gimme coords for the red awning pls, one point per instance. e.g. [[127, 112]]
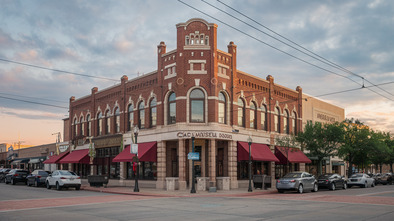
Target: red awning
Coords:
[[293, 155], [77, 156], [146, 152], [56, 158], [260, 152]]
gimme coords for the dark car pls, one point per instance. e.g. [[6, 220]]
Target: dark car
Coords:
[[16, 176], [332, 181], [37, 178], [4, 172]]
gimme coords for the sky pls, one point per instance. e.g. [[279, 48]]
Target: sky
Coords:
[[109, 39]]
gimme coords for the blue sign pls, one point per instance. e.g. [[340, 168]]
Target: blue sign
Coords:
[[193, 156]]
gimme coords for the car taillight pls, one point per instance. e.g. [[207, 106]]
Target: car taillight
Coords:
[[16, 174], [292, 181], [278, 181], [326, 180], [63, 178], [78, 178], [38, 176]]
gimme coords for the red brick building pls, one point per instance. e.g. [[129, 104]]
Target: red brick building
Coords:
[[195, 91]]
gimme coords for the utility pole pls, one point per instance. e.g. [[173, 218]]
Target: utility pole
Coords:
[[58, 138]]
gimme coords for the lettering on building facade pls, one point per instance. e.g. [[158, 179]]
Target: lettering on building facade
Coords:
[[325, 117], [206, 134]]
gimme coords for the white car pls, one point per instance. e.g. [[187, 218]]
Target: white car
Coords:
[[361, 180], [63, 178]]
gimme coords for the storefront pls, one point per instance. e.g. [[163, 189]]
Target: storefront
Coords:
[[290, 160], [78, 161]]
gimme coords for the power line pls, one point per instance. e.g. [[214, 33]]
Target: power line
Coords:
[[325, 60], [273, 47], [354, 89], [33, 102], [56, 70], [15, 95]]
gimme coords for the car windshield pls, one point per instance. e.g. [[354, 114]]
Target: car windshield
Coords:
[[43, 173], [293, 175], [325, 176], [68, 173], [357, 175]]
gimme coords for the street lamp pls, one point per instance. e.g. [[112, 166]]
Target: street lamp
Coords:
[[136, 188], [250, 165], [193, 190]]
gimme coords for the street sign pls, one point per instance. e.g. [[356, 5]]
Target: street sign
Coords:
[[193, 156], [134, 149]]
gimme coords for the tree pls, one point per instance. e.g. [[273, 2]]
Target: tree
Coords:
[[355, 142], [390, 146], [379, 152], [321, 140]]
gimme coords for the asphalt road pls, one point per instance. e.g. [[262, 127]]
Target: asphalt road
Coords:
[[20, 202]]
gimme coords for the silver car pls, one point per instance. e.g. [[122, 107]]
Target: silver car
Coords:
[[299, 181], [361, 180]]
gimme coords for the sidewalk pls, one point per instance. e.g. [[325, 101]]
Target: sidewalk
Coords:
[[177, 193]]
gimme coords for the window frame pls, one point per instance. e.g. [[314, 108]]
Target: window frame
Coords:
[[198, 99], [141, 120], [117, 120], [130, 117], [253, 112], [224, 103], [153, 109], [263, 117], [171, 102], [242, 108]]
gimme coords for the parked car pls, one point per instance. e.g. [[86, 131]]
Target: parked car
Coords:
[[16, 176], [3, 172], [361, 180], [37, 178], [385, 179], [332, 181], [299, 181], [63, 178]]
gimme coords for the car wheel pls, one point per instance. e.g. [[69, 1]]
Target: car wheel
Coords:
[[6, 182], [58, 187], [281, 191], [332, 186], [344, 186], [349, 186], [48, 186], [300, 189], [373, 184], [365, 185], [78, 187], [12, 182], [315, 188]]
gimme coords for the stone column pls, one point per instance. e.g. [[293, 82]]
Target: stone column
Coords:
[[93, 169], [212, 162], [232, 164], [161, 165], [182, 164]]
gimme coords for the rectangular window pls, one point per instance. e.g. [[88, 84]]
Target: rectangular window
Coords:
[[221, 113], [197, 111], [263, 121], [153, 116], [251, 119], [142, 119]]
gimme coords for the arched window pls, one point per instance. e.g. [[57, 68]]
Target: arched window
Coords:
[[172, 108], [107, 123], [130, 117], [222, 108], [141, 115], [197, 107], [153, 113], [89, 127], [75, 127], [294, 122], [263, 117], [117, 120], [286, 123], [277, 120], [81, 126], [241, 113], [252, 117], [100, 124]]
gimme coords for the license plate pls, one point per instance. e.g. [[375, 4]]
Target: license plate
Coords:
[[24, 176], [71, 178]]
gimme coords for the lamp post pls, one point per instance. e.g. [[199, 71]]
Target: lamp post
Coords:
[[250, 165], [193, 190], [136, 188]]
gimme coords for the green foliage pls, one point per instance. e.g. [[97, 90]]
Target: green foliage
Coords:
[[321, 140]]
